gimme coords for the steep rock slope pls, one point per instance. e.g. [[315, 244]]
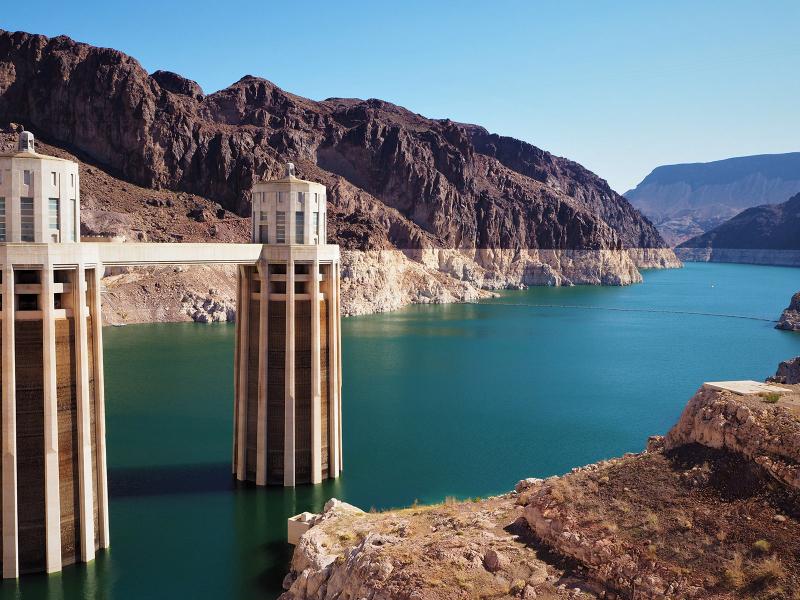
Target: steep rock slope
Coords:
[[768, 234], [790, 319], [689, 199], [486, 210]]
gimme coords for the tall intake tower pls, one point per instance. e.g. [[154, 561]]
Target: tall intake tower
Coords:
[[287, 407], [53, 469]]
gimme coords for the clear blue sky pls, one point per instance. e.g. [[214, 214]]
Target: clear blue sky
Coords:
[[619, 86]]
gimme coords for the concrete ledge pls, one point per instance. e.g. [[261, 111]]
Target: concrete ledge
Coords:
[[746, 387], [297, 525]]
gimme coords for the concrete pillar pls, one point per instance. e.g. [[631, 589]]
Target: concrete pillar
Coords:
[[289, 412], [316, 378], [52, 497], [263, 334], [337, 324], [242, 349], [333, 389], [95, 307], [236, 366], [9, 415], [86, 491]]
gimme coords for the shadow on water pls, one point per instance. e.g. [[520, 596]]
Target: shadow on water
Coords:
[[169, 479]]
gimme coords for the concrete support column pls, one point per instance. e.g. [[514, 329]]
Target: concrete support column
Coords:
[[9, 415], [316, 378], [263, 348], [52, 497], [242, 341], [335, 459], [236, 367], [95, 307], [337, 324], [289, 410], [86, 491]]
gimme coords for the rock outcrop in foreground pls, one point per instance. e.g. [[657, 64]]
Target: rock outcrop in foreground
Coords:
[[470, 208], [712, 510], [790, 319], [788, 372]]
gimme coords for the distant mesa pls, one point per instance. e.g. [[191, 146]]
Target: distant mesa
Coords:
[[687, 200]]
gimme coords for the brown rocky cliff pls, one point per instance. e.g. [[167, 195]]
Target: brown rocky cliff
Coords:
[[414, 182], [790, 319]]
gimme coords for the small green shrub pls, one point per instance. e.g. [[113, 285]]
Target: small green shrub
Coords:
[[770, 398], [761, 547]]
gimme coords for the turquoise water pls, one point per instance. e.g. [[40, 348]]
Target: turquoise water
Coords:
[[457, 400]]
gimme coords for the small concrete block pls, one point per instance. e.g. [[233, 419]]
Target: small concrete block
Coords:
[[297, 525]]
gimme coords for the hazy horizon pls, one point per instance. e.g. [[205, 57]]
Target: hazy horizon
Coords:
[[620, 88]]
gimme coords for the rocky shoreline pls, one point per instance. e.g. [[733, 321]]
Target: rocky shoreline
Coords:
[[778, 258], [376, 281], [790, 319], [709, 511]]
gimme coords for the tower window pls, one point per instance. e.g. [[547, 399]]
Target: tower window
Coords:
[[54, 178], [54, 216], [2, 219], [263, 228], [300, 225], [26, 219], [73, 216], [280, 227], [26, 177], [27, 302], [315, 225], [72, 179]]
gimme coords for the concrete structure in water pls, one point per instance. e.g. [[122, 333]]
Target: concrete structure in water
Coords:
[[52, 431], [288, 372]]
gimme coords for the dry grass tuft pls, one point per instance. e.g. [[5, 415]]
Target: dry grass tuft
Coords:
[[768, 571]]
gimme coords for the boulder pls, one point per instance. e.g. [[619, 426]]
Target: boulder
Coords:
[[790, 319], [788, 372]]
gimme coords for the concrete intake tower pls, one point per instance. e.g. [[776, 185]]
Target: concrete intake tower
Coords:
[[288, 371], [287, 382]]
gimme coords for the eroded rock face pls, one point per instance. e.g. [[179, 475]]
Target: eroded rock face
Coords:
[[790, 319], [788, 372], [396, 180], [766, 432]]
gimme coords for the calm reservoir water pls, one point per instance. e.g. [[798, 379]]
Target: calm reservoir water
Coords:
[[459, 400]]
